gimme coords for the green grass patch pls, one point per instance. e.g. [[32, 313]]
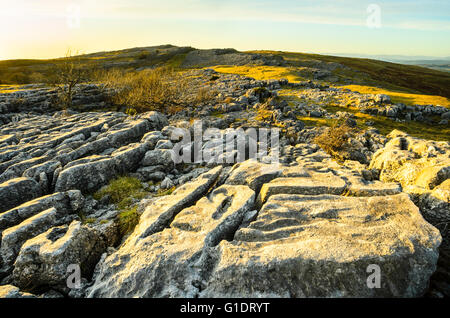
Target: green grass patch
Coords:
[[121, 191], [176, 61], [262, 72], [127, 220], [162, 192], [217, 114], [84, 219]]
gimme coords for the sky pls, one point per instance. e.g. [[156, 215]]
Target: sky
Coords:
[[47, 28]]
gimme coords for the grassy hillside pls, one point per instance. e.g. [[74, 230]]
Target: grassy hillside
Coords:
[[36, 71], [347, 71], [407, 78]]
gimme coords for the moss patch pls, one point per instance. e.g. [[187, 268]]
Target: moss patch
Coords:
[[127, 220], [122, 192]]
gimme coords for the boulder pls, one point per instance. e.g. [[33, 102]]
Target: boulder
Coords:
[[14, 237], [44, 260], [87, 177], [17, 191], [315, 184], [128, 157], [158, 157], [157, 120], [10, 291], [64, 202], [328, 246], [253, 173], [131, 133], [412, 161], [175, 261]]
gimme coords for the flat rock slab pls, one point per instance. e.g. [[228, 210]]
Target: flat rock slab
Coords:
[[87, 177], [17, 191], [64, 202], [45, 259], [159, 214], [361, 188], [14, 237], [317, 183], [326, 246], [175, 261], [10, 291], [253, 173]]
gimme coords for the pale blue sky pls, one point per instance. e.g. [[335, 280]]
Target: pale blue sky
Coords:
[[46, 28]]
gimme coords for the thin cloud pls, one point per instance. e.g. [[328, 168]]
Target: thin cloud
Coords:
[[395, 14]]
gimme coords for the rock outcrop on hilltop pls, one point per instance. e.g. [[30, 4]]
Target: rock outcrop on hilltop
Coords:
[[304, 225]]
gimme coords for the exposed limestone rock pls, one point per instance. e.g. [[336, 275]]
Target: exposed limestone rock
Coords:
[[253, 174], [160, 213], [14, 237], [48, 168], [295, 172], [317, 225], [173, 263], [44, 260], [9, 291], [157, 120], [412, 161], [434, 204], [8, 139], [317, 183], [64, 202], [360, 187], [128, 157], [158, 157], [132, 132], [87, 177], [321, 246], [17, 191], [16, 170]]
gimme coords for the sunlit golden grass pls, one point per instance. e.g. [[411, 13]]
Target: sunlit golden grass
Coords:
[[414, 79], [11, 88], [262, 72], [400, 97], [383, 124]]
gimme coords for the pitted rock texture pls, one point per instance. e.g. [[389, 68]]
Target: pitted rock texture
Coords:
[[159, 214], [9, 291], [321, 246], [173, 262], [44, 260], [305, 226], [309, 244]]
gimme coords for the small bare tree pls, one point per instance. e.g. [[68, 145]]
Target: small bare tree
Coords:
[[67, 74]]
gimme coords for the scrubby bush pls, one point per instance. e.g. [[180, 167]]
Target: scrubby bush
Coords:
[[155, 89], [334, 140], [162, 89], [204, 95]]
